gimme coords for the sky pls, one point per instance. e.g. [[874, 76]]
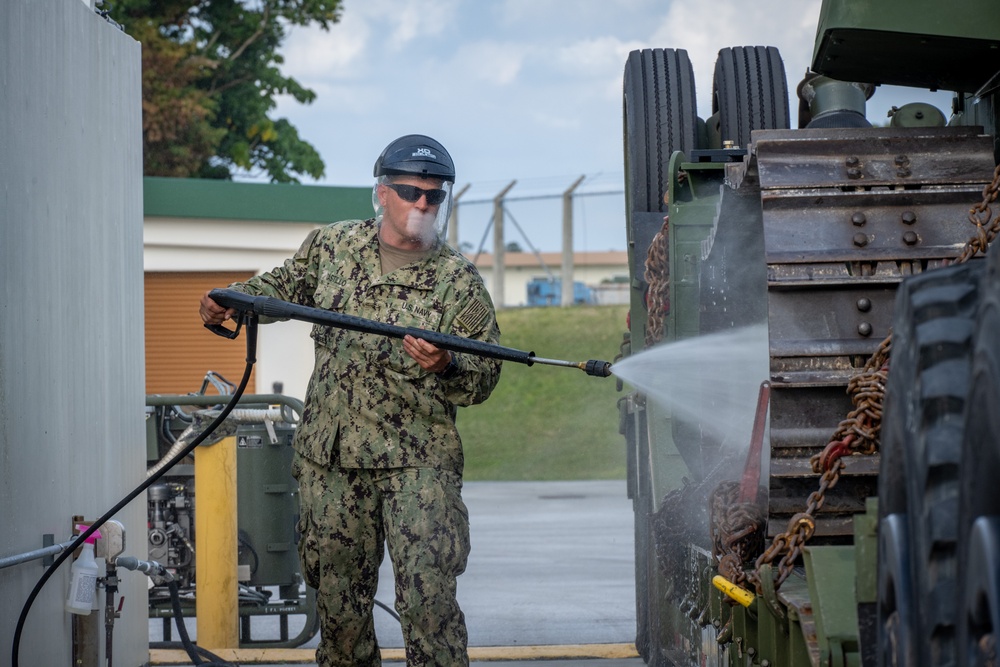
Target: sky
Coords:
[[525, 90]]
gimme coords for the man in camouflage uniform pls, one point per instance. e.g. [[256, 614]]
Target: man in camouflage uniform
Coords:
[[378, 458]]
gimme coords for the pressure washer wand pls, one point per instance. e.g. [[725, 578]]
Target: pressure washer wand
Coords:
[[283, 310]]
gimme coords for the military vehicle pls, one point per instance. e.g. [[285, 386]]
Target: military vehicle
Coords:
[[858, 523]]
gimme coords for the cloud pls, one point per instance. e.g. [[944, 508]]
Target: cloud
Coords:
[[570, 16], [395, 25], [599, 56], [312, 54], [702, 29], [599, 60], [368, 34], [556, 121], [413, 23], [334, 97], [494, 62], [521, 89]]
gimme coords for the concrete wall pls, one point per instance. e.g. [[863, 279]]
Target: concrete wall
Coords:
[[71, 343]]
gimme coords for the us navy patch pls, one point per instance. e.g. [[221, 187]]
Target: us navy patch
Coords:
[[473, 317], [417, 310]]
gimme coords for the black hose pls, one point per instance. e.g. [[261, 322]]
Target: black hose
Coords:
[[251, 324], [244, 539], [387, 608], [194, 652]]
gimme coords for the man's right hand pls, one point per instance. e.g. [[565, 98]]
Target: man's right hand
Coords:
[[213, 313]]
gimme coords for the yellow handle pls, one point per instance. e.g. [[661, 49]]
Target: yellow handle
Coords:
[[741, 595]]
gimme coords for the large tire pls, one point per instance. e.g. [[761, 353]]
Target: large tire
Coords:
[[749, 92], [925, 397], [660, 116], [653, 591], [648, 578], [979, 503], [979, 619], [645, 566], [896, 626]]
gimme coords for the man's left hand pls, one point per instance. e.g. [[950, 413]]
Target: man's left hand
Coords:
[[430, 358]]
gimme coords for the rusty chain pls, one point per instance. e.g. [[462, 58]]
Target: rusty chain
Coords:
[[671, 532], [657, 276], [980, 215], [859, 433], [737, 531]]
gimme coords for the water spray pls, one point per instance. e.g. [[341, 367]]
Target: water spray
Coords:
[[283, 310]]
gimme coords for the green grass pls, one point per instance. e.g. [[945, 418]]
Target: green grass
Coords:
[[548, 422]]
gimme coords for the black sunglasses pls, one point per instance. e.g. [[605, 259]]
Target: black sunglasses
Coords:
[[412, 193]]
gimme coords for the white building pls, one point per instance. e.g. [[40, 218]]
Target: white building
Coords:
[[200, 234]]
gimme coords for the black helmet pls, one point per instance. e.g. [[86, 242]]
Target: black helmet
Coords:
[[415, 155]]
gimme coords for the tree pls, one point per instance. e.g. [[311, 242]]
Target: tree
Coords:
[[210, 76]]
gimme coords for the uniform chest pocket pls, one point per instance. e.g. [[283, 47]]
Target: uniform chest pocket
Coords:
[[332, 297], [388, 352]]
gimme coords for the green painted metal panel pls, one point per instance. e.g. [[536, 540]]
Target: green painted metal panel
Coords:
[[745, 633], [830, 573], [774, 644], [215, 199], [668, 465], [866, 544], [799, 624], [919, 43], [970, 19], [694, 201], [693, 194]]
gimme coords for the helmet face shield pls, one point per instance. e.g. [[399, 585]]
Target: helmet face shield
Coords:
[[421, 211], [412, 194], [417, 155]]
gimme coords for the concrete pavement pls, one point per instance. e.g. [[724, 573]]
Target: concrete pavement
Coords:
[[551, 566]]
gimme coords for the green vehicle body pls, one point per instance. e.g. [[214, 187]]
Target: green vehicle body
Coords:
[[813, 228]]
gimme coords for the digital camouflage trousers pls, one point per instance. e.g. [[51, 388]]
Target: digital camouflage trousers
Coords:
[[347, 516]]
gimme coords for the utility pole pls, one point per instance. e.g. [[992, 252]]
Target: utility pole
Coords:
[[498, 247], [453, 218], [567, 243]]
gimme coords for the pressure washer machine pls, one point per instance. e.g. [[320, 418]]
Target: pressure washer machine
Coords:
[[269, 578]]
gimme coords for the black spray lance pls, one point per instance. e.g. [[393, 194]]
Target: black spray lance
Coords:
[[278, 309]]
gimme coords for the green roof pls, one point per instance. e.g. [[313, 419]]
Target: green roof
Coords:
[[209, 198]]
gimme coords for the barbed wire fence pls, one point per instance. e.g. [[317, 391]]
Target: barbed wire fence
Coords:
[[564, 214]]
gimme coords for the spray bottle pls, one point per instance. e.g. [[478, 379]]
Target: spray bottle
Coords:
[[83, 578]]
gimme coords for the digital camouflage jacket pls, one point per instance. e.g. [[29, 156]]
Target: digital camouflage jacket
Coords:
[[369, 404]]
